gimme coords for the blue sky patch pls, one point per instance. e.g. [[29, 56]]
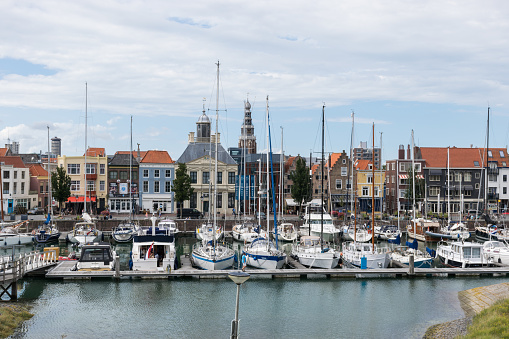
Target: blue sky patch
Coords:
[[189, 21], [23, 67]]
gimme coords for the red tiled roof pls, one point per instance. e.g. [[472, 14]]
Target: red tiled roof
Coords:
[[38, 171], [3, 151], [96, 152], [362, 165], [436, 157], [15, 161], [135, 153], [157, 157], [334, 157], [314, 168]]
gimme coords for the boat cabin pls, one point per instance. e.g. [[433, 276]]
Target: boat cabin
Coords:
[[96, 257]]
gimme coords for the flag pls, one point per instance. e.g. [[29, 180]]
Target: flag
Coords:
[[150, 249]]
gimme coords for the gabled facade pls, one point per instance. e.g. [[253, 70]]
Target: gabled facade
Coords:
[[369, 183], [93, 186], [39, 185], [15, 185], [156, 172], [341, 181], [120, 181]]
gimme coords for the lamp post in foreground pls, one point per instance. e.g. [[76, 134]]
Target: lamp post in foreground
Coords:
[[239, 278]]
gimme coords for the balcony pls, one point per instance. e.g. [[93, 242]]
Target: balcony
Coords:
[[92, 176]]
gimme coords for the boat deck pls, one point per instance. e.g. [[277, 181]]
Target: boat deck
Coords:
[[63, 271]]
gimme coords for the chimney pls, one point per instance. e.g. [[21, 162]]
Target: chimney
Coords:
[[408, 153], [138, 155], [401, 152], [191, 137]]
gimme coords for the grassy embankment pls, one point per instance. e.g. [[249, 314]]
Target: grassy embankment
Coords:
[[11, 316], [492, 322]]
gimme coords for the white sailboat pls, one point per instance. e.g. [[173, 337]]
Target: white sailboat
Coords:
[[209, 254], [85, 231], [287, 230], [366, 255], [311, 251], [262, 252]]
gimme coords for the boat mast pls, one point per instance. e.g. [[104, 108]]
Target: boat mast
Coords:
[[50, 201], [373, 194], [130, 172], [273, 186], [413, 185], [267, 178], [486, 158], [448, 190], [351, 161], [321, 183], [86, 150], [281, 178], [215, 165]]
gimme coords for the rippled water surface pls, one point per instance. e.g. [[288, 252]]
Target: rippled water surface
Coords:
[[313, 308]]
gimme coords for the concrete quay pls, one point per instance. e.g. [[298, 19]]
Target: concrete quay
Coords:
[[477, 299]]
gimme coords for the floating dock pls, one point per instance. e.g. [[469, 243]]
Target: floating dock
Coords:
[[63, 271]]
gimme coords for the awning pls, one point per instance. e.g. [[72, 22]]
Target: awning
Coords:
[[468, 188], [419, 176], [80, 199], [403, 176], [290, 202], [435, 172]]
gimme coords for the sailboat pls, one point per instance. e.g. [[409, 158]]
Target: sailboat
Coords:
[[47, 232], [364, 255], [287, 231], [402, 254], [311, 251], [262, 252], [85, 231], [125, 231], [209, 254]]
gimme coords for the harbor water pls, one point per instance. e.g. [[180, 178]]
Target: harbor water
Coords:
[[269, 308]]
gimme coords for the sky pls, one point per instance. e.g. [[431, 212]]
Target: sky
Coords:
[[433, 67]]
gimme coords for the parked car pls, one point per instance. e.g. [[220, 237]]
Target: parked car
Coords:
[[262, 215], [35, 210], [190, 213]]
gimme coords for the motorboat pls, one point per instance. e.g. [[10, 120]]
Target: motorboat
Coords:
[[168, 226], [11, 236], [496, 251], [125, 231], [287, 232], [310, 253], [84, 232], [364, 255], [402, 255], [462, 254], [453, 231], [387, 232], [262, 253], [96, 257], [313, 221], [356, 233], [419, 229], [247, 232], [153, 251], [46, 233]]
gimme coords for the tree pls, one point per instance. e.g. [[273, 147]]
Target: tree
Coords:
[[181, 185], [60, 186], [301, 188]]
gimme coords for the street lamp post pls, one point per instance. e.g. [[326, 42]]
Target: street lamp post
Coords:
[[239, 278]]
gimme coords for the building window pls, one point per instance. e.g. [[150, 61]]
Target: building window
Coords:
[[6, 188], [344, 161], [73, 169], [468, 193], [339, 184], [504, 190], [344, 171], [205, 178], [477, 175], [90, 168], [145, 186], [231, 196], [370, 179], [231, 180], [220, 200], [467, 176], [156, 186], [457, 177], [376, 191], [434, 191], [42, 188], [167, 173], [490, 155], [156, 173], [193, 199], [504, 178], [167, 187], [145, 173], [113, 175], [90, 185], [102, 169], [365, 191], [219, 179], [102, 185], [402, 193], [22, 187], [402, 167], [23, 175], [75, 185], [477, 186], [15, 175], [123, 175], [194, 177], [15, 188], [476, 163], [348, 184], [417, 167]]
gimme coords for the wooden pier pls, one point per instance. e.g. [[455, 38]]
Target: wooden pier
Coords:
[[63, 271]]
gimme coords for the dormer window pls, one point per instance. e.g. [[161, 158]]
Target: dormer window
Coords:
[[502, 155], [476, 163], [490, 155]]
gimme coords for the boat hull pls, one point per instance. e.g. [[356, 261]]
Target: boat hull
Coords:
[[16, 240], [46, 238], [318, 260], [208, 263]]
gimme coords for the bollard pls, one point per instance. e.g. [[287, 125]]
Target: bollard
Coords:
[[411, 264], [117, 267]]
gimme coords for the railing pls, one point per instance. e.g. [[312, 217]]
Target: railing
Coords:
[[12, 270]]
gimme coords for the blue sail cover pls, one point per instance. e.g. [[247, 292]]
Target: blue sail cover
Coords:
[[431, 252], [47, 219], [414, 244]]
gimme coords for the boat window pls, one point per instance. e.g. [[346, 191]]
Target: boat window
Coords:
[[95, 254], [476, 252], [467, 252]]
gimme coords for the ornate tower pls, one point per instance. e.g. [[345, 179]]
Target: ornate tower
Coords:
[[247, 138], [203, 128]]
